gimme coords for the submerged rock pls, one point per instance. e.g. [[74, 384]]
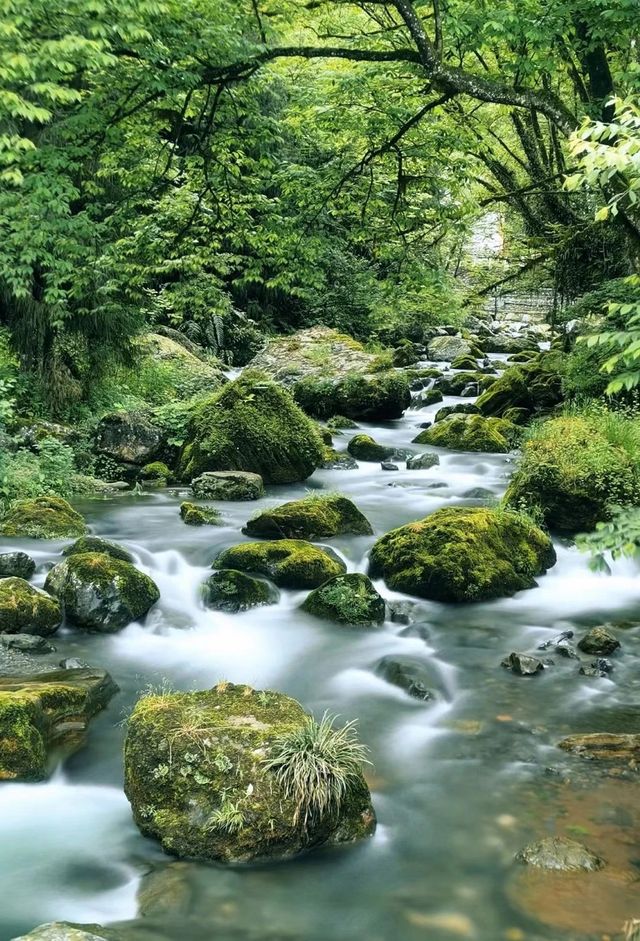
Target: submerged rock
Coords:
[[27, 610], [347, 599], [26, 643], [463, 554], [380, 397], [97, 544], [604, 746], [423, 461], [16, 564], [233, 591], [129, 437], [194, 515], [315, 516], [388, 466], [523, 664], [471, 433], [290, 563], [228, 485], [559, 854], [100, 593], [364, 448], [408, 674], [600, 641], [42, 518], [44, 711], [234, 788]]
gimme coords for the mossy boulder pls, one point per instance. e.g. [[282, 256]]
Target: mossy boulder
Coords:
[[315, 351], [460, 408], [364, 448], [228, 485], [254, 425], [429, 397], [423, 461], [156, 471], [379, 397], [98, 544], [17, 564], [195, 515], [130, 437], [313, 517], [458, 382], [338, 460], [347, 599], [463, 554], [471, 433], [199, 779], [448, 348], [572, 475], [230, 590], [534, 387], [27, 610], [41, 712], [464, 362], [42, 518], [290, 563], [100, 593], [340, 422]]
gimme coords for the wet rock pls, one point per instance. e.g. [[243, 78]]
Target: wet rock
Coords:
[[478, 493], [364, 448], [388, 466], [166, 891], [558, 854], [233, 591], [228, 485], [235, 799], [290, 563], [338, 460], [533, 387], [409, 674], [565, 649], [450, 348], [64, 931], [315, 352], [315, 516], [27, 643], [604, 746], [600, 667], [600, 641], [128, 437], [430, 397], [464, 362], [470, 390], [421, 631], [565, 635], [17, 564], [471, 433], [400, 612], [100, 593], [454, 385], [423, 461], [523, 664], [425, 424], [27, 610], [340, 422], [97, 544], [459, 409], [74, 663], [42, 518], [194, 515], [347, 599]]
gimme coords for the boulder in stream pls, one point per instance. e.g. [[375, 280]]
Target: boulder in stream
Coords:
[[129, 437], [408, 674], [533, 387], [316, 516], [463, 554], [471, 433], [228, 485], [559, 854], [379, 397], [234, 774], [423, 461], [604, 746], [364, 448], [523, 664], [195, 515], [599, 641], [338, 460], [42, 518], [450, 348], [347, 599], [97, 544], [290, 563], [233, 591], [27, 610], [16, 564]]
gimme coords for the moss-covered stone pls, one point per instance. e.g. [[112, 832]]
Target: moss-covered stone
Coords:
[[463, 554], [100, 593], [97, 544], [450, 348], [337, 460], [464, 362], [195, 515], [367, 398], [458, 382], [27, 610], [364, 448], [198, 778], [314, 517], [254, 425], [230, 590], [460, 408], [44, 711], [155, 471], [42, 518], [315, 351], [429, 397], [534, 387], [471, 433], [347, 599], [17, 564], [340, 422], [130, 437], [571, 474], [290, 563]]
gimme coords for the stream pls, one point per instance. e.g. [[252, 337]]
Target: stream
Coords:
[[459, 784]]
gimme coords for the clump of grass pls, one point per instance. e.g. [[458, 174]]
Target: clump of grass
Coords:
[[228, 818], [316, 765]]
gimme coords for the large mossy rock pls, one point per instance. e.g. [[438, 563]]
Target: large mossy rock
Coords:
[[254, 425], [364, 448], [380, 397], [46, 711], [313, 517], [290, 563], [228, 485], [99, 593], [98, 544], [532, 387], [42, 518], [195, 515], [449, 348], [232, 591], [463, 554], [316, 351], [572, 475], [347, 599], [129, 437], [199, 779], [27, 610], [471, 433], [186, 367]]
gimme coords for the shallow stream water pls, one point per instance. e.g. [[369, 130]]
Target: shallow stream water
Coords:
[[459, 784]]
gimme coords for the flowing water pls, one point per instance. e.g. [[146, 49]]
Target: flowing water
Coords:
[[459, 784]]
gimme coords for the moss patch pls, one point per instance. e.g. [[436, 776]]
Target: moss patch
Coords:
[[230, 590], [311, 518], [533, 387], [42, 518], [27, 610], [347, 599], [471, 433], [97, 544], [290, 563], [194, 515], [364, 448], [368, 398]]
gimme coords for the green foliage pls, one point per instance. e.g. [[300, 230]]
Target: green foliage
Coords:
[[619, 537], [26, 473]]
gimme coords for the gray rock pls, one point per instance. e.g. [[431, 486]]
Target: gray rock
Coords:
[[74, 663], [565, 649], [599, 641], [560, 855], [448, 348], [17, 564], [26, 643], [422, 461], [600, 667], [478, 493], [523, 664], [129, 437], [389, 466], [408, 674], [228, 485]]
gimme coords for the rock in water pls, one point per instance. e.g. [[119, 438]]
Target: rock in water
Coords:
[[254, 425], [450, 348], [46, 710], [532, 387], [43, 518], [347, 599], [471, 433], [604, 746], [100, 593], [62, 931], [128, 437], [408, 674], [364, 448], [233, 591], [560, 855], [463, 554], [16, 564], [523, 664], [381, 397], [194, 515], [228, 485], [599, 641], [27, 610], [97, 544], [290, 563], [226, 775], [313, 517], [423, 461]]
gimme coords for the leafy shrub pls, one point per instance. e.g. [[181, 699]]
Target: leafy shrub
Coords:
[[26, 474]]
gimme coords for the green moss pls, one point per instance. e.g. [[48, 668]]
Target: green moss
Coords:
[[364, 448], [22, 750], [25, 609], [157, 470], [252, 424], [290, 563], [337, 460], [230, 590], [97, 544], [573, 475], [374, 398], [463, 554], [197, 777], [471, 433], [316, 516], [464, 362], [347, 599], [456, 384], [42, 518], [340, 422], [430, 397], [100, 593], [228, 485], [194, 515], [534, 386]]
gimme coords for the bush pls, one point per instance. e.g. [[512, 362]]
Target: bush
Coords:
[[26, 474]]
